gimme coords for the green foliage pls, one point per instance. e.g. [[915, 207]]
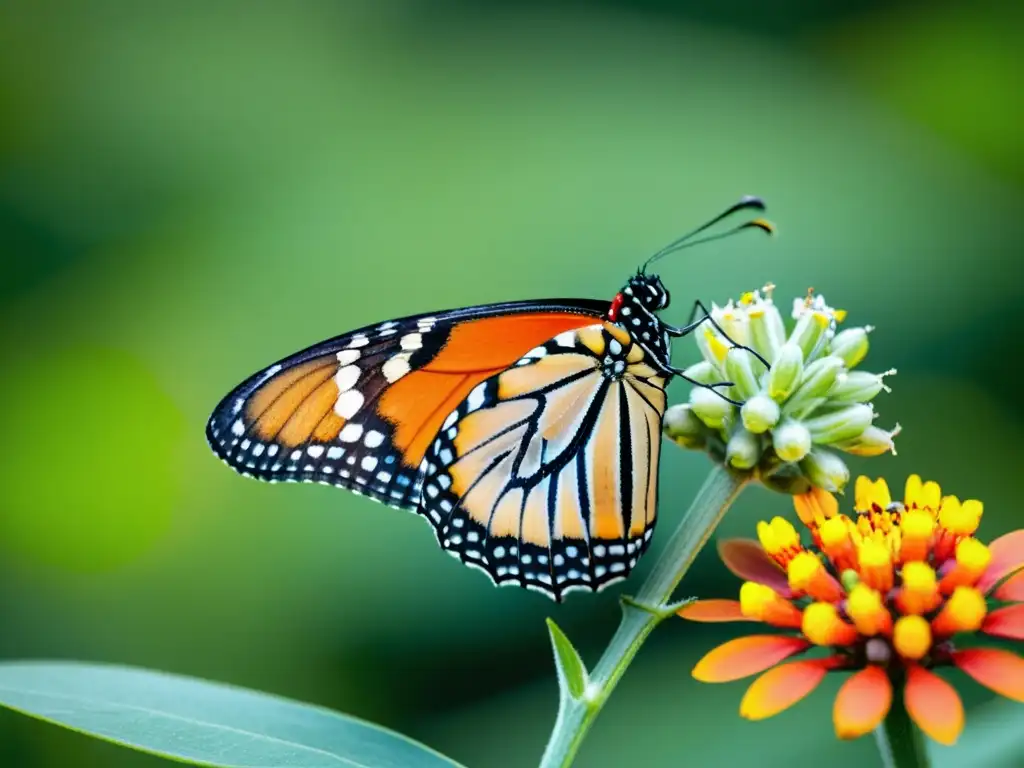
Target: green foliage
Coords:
[[199, 722], [572, 674]]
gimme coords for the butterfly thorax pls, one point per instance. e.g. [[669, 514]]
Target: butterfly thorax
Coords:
[[635, 308]]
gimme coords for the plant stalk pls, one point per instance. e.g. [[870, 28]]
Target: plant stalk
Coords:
[[899, 740], [640, 615]]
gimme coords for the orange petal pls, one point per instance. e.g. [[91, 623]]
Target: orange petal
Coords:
[[782, 687], [1002, 671], [934, 705], [746, 656], [1005, 622], [1012, 588], [1007, 556], [748, 560], [713, 611], [862, 703]]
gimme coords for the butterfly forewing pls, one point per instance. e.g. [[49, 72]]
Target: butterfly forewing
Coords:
[[360, 410], [546, 474]]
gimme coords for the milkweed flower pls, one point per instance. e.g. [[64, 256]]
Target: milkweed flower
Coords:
[[788, 422], [890, 594]]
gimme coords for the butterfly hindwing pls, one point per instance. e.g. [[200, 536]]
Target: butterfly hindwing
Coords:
[[546, 474], [360, 410]]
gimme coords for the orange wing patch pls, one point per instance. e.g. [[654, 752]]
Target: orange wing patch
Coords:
[[291, 405]]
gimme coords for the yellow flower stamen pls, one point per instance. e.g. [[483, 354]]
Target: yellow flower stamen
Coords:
[[916, 528], [868, 494], [972, 558], [963, 612], [779, 538], [875, 564], [867, 611], [960, 519], [919, 495], [912, 637], [822, 626], [920, 591], [763, 603], [806, 574]]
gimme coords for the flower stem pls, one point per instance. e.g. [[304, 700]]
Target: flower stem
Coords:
[[640, 615], [898, 739]]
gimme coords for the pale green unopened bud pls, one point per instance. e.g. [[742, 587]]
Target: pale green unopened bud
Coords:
[[709, 407], [792, 441], [858, 387], [740, 371], [784, 375], [851, 345], [767, 332], [819, 377], [826, 470], [849, 579], [873, 441], [809, 332], [703, 373], [760, 413], [743, 450], [683, 426], [843, 424]]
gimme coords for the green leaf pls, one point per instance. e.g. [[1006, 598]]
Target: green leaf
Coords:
[[204, 723], [572, 675]]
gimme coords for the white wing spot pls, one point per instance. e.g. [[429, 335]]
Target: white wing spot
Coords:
[[396, 367], [358, 340], [476, 397], [348, 356], [349, 403], [412, 341], [335, 452], [258, 449], [369, 463], [347, 377], [373, 439], [238, 428], [296, 455], [315, 451], [566, 339], [350, 433]]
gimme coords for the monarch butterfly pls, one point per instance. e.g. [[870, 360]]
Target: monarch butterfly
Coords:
[[526, 433]]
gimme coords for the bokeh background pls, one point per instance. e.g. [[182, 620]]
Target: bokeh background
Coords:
[[191, 190]]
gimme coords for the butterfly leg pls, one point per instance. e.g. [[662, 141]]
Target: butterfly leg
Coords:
[[692, 324], [713, 387]]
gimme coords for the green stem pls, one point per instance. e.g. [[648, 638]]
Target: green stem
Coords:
[[640, 615], [899, 740]]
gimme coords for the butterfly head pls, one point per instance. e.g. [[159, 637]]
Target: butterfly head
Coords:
[[639, 299]]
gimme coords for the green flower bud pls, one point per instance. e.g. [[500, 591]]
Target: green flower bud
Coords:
[[792, 441], [826, 470], [845, 423], [683, 426], [767, 332], [873, 441], [743, 450], [858, 387], [760, 413], [740, 371], [710, 408], [849, 579], [785, 371], [809, 332], [819, 377], [851, 345], [703, 373]]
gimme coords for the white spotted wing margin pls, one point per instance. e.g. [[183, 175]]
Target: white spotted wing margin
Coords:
[[545, 477], [312, 417]]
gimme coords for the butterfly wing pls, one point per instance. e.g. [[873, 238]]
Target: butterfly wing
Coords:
[[360, 410], [546, 474]]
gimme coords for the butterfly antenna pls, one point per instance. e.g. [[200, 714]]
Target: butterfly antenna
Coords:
[[748, 202]]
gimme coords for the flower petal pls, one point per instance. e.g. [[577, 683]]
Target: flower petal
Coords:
[[746, 656], [1012, 588], [782, 687], [1007, 556], [748, 560], [1005, 622], [713, 611], [934, 705], [862, 703], [1002, 671]]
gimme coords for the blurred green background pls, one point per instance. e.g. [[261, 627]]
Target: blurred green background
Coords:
[[189, 191]]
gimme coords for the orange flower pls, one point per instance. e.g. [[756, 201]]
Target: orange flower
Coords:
[[886, 592]]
